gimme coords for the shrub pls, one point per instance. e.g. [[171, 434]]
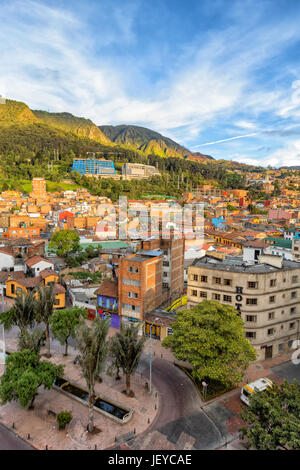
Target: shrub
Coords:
[[63, 418]]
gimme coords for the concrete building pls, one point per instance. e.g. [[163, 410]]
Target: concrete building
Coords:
[[266, 295], [138, 171], [39, 188], [296, 249]]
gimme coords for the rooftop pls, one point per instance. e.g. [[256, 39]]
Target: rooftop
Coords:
[[236, 264]]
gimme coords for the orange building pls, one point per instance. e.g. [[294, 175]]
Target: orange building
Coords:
[[23, 232], [17, 284]]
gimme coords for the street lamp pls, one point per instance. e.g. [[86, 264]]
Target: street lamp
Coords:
[[150, 354]]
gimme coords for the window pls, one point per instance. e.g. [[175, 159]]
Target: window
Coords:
[[133, 269], [194, 293], [227, 298], [251, 301], [203, 294], [294, 278], [251, 334], [293, 310], [56, 302], [293, 295], [216, 296], [272, 282], [133, 295], [271, 331], [195, 277], [227, 282], [12, 289], [251, 318], [217, 280], [252, 285], [169, 331], [165, 274], [272, 299], [166, 263], [271, 315], [292, 325], [203, 278], [280, 347], [131, 282], [290, 344]]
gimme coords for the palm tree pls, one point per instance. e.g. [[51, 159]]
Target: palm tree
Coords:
[[32, 340], [126, 348], [92, 345], [44, 305], [22, 314]]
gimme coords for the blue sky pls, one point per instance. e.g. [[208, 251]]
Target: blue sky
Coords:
[[219, 76]]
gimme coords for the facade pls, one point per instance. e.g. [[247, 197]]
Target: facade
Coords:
[[296, 249], [39, 190], [150, 278], [140, 286], [94, 167], [138, 171], [37, 264], [266, 295]]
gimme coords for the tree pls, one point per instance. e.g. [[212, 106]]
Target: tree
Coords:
[[65, 242], [126, 348], [93, 348], [65, 322], [211, 338], [44, 306], [22, 314], [32, 340], [24, 374], [273, 418]]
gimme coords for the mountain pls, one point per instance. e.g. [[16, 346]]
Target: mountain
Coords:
[[65, 125], [149, 142], [79, 126], [16, 112]]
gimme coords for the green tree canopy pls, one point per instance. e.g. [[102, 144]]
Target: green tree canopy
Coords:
[[65, 322], [22, 314], [24, 374], [211, 338], [64, 242], [273, 418]]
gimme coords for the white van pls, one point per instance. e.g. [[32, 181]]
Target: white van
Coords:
[[258, 386]]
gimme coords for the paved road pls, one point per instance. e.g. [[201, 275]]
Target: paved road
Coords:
[[182, 419], [288, 371], [9, 441]]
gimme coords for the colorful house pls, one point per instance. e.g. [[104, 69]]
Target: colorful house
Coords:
[[107, 302]]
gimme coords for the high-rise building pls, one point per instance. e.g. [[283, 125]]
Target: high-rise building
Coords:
[[39, 188], [94, 167], [150, 278]]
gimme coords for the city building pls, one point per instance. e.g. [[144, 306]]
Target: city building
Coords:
[[265, 294], [94, 167], [138, 171]]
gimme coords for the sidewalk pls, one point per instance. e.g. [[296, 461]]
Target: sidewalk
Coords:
[[42, 427]]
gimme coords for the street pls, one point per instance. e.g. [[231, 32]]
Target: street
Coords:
[[9, 441]]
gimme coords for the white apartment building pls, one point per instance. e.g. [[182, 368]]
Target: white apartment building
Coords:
[[266, 295]]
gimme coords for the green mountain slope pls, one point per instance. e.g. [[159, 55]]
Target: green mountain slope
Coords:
[[16, 112], [79, 126], [149, 142]]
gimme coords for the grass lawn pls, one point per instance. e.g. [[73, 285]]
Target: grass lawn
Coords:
[[52, 186]]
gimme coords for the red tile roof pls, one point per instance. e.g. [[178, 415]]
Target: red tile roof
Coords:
[[37, 259], [108, 289]]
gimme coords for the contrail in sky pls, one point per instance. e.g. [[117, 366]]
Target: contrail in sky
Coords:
[[226, 140]]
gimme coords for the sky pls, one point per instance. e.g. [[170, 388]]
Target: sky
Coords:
[[221, 77]]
